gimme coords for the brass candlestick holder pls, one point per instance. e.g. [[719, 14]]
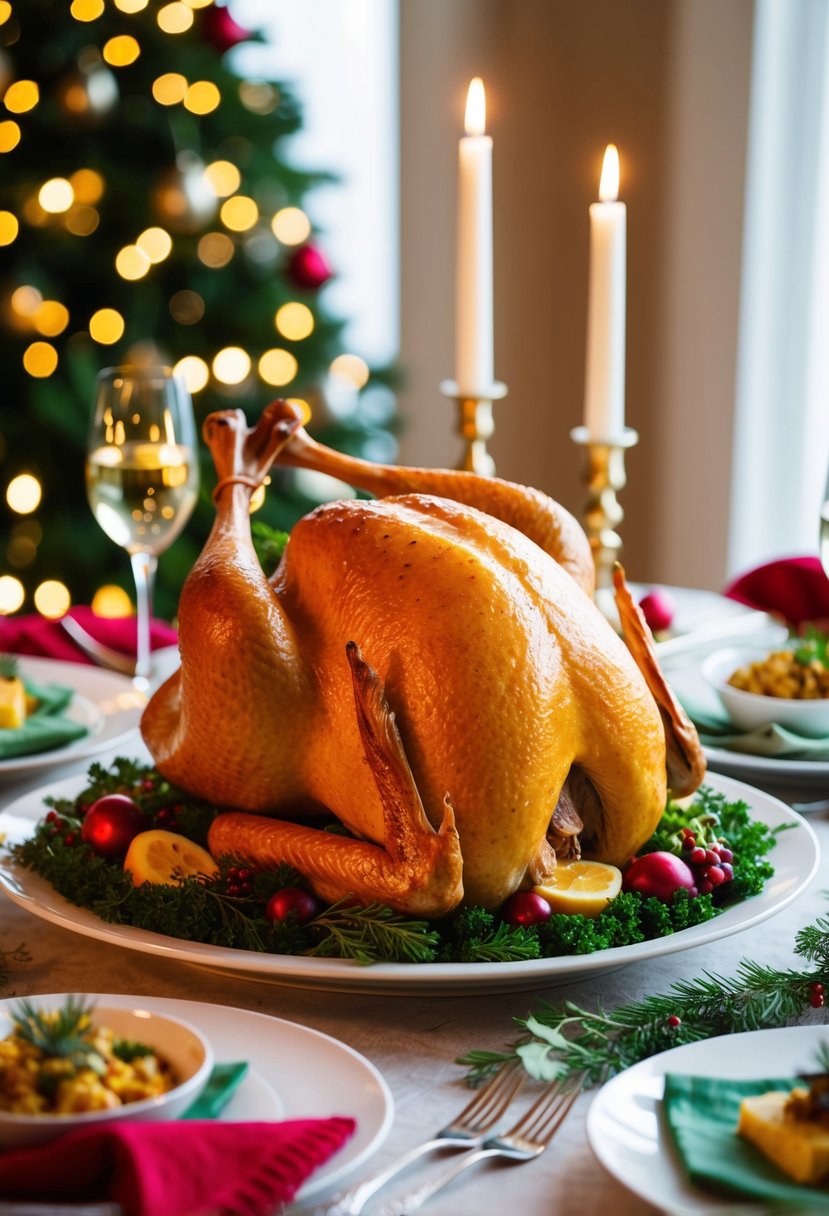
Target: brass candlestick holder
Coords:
[[475, 425], [605, 477]]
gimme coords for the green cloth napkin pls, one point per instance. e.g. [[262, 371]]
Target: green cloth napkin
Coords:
[[715, 730], [221, 1085], [702, 1114], [46, 728]]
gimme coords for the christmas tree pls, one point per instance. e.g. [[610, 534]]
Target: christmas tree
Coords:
[[148, 214]]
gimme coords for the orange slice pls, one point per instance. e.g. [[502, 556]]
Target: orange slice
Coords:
[[165, 857], [583, 887]]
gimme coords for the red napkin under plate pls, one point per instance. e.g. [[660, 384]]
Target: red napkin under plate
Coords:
[[795, 588], [37, 635], [180, 1169]]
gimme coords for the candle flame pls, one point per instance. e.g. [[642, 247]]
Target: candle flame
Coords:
[[609, 184], [475, 120]]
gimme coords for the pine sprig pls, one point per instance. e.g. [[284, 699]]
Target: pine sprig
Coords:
[[567, 1039], [62, 1035], [372, 934]]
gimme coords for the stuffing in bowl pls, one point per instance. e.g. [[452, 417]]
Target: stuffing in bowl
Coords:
[[67, 1063], [788, 686]]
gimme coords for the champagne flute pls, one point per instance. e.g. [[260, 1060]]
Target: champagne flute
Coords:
[[142, 476]]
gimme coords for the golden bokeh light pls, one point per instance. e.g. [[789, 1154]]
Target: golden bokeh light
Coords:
[[303, 407], [106, 326], [231, 365], [12, 594], [87, 185], [239, 213], [51, 318], [194, 372], [131, 6], [198, 3], [155, 243], [9, 227], [294, 321], [291, 226], [33, 213], [169, 89], [224, 178], [82, 221], [5, 11], [21, 96], [350, 368], [40, 359], [9, 135], [202, 97], [216, 249], [121, 51], [52, 598], [23, 493], [26, 300], [175, 18], [56, 195], [278, 367], [186, 307], [132, 263], [86, 10], [258, 96], [111, 602]]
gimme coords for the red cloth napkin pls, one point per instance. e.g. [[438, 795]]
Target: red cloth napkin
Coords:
[[36, 635], [181, 1169], [795, 588]]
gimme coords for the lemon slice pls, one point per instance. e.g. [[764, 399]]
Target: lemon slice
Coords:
[[583, 887], [165, 857]]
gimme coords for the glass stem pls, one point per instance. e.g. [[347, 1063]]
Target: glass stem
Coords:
[[143, 570]]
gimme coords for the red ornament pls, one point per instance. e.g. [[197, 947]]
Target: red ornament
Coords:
[[658, 608], [526, 908], [307, 268], [659, 875], [110, 824], [673, 1021], [292, 901], [220, 29]]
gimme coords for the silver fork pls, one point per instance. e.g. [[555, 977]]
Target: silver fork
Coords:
[[465, 1131], [523, 1142], [103, 655]]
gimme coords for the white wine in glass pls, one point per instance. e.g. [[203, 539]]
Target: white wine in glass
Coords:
[[142, 475]]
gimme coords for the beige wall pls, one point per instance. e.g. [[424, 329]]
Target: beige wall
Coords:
[[666, 80]]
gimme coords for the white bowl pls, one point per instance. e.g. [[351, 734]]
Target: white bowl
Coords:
[[750, 710], [185, 1049]]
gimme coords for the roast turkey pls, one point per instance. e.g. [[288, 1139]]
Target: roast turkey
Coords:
[[428, 666]]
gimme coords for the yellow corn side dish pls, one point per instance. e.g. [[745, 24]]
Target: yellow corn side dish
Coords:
[[33, 1083]]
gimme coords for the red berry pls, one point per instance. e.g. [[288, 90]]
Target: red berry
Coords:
[[110, 825], [706, 887], [51, 817], [658, 608], [816, 987], [728, 870], [526, 908], [244, 875], [816, 1000], [292, 902], [697, 856], [70, 838], [715, 876], [711, 857], [726, 855], [674, 1021], [148, 784]]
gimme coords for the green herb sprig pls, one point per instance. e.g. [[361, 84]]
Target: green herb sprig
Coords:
[[62, 1035], [813, 646], [562, 1040]]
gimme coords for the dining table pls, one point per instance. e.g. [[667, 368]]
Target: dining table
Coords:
[[414, 1039]]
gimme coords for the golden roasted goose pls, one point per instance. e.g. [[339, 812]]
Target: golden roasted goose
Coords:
[[428, 666]]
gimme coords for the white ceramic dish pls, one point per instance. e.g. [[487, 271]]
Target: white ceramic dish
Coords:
[[105, 702], [184, 1048], [749, 710], [626, 1128], [795, 859], [294, 1073], [688, 683]]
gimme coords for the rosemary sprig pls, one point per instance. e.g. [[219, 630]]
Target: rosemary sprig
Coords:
[[566, 1039], [62, 1035], [372, 933]]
